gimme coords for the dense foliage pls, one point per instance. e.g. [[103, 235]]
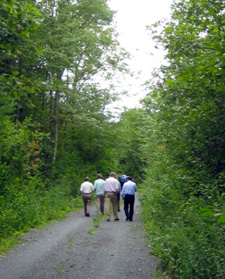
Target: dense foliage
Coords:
[[53, 127], [183, 193]]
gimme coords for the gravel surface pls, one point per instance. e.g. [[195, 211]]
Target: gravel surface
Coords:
[[68, 250]]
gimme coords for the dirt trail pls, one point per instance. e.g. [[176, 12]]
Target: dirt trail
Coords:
[[67, 250]]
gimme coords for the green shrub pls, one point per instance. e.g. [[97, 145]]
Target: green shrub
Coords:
[[185, 231]]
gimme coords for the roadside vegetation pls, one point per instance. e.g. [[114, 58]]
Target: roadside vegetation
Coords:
[[184, 149], [55, 130]]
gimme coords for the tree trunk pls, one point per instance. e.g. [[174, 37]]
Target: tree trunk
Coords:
[[18, 107], [56, 126]]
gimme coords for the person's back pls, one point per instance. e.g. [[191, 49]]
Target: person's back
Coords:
[[122, 179], [86, 187], [129, 188], [111, 185], [99, 186]]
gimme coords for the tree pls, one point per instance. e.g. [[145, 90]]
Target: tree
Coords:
[[192, 89], [18, 21], [69, 63], [130, 140]]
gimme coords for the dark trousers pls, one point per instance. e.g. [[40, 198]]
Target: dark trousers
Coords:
[[118, 197], [87, 203], [129, 206]]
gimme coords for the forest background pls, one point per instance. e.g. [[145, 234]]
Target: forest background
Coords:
[[55, 58]]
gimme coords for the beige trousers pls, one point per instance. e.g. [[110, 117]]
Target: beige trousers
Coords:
[[100, 200], [111, 201]]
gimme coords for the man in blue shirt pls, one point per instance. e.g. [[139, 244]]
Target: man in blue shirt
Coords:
[[128, 194]]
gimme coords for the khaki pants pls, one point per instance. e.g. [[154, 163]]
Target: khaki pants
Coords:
[[111, 200], [100, 200], [87, 203]]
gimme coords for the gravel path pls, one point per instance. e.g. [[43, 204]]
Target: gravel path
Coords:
[[67, 250]]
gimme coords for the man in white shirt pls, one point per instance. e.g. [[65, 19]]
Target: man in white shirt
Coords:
[[111, 188], [86, 188]]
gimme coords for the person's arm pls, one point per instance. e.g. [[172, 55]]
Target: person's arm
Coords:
[[81, 188], [123, 192], [119, 186], [95, 185]]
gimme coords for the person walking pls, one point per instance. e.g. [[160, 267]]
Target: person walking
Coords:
[[128, 194], [122, 179], [111, 188], [86, 188], [99, 194]]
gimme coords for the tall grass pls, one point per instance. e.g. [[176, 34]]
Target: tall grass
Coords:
[[184, 229], [27, 206]]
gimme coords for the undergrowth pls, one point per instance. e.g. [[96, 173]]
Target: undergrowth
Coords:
[[186, 231], [32, 208]]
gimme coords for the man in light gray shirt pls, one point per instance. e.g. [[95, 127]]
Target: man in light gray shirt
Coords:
[[111, 188]]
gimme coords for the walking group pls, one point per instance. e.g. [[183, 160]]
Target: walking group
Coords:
[[109, 192]]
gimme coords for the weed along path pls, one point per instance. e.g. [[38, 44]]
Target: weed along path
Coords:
[[80, 247]]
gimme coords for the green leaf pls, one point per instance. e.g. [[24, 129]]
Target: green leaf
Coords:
[[206, 212], [169, 30], [221, 219]]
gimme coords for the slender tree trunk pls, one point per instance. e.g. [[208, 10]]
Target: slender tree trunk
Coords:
[[64, 135], [56, 126], [18, 106], [51, 114], [56, 118]]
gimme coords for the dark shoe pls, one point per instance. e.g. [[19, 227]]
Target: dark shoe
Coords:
[[107, 220], [87, 215], [127, 219], [117, 219]]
